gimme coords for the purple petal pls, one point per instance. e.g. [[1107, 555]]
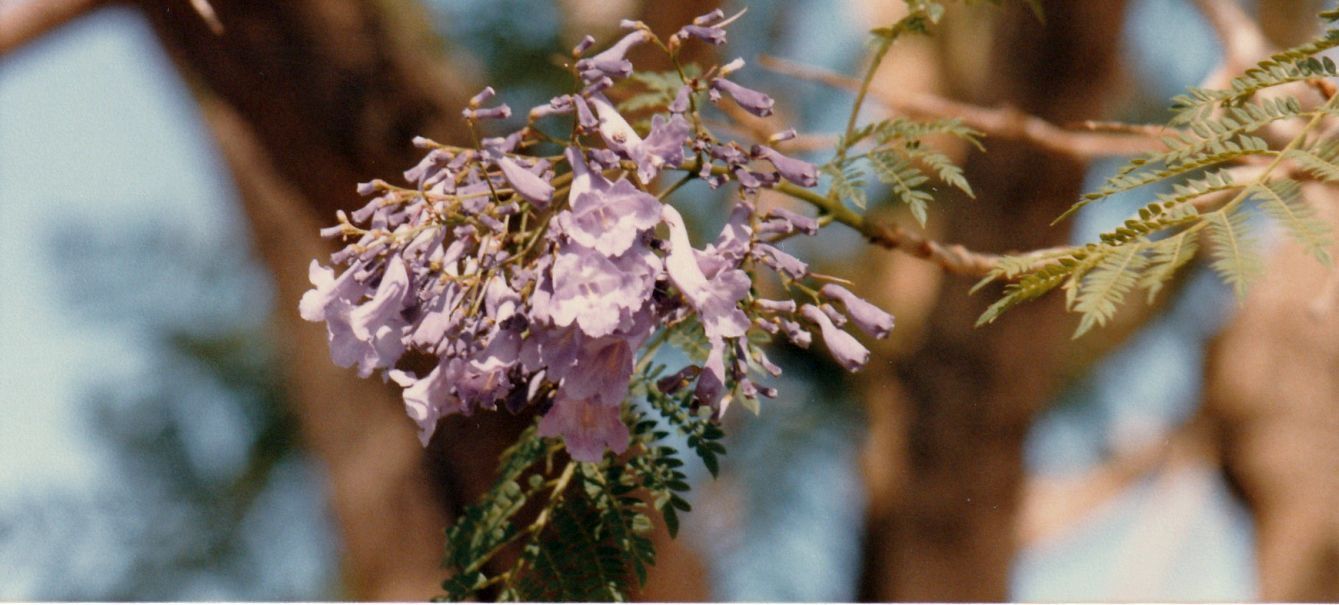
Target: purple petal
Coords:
[[751, 100], [601, 373], [800, 172], [780, 261], [872, 320], [427, 400], [663, 146], [682, 102], [848, 352], [615, 130], [386, 305], [585, 118], [802, 223], [587, 428], [529, 185]]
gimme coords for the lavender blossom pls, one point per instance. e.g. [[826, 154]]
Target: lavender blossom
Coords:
[[682, 100], [597, 292], [750, 100], [800, 172], [611, 219], [611, 62], [532, 298], [801, 223], [527, 184], [716, 300], [429, 399], [871, 319], [781, 262], [587, 428], [848, 352]]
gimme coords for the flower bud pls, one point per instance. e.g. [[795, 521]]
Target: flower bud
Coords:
[[871, 319], [848, 352]]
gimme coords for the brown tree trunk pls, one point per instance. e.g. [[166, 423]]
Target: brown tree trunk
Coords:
[[306, 99], [1272, 385], [966, 397]]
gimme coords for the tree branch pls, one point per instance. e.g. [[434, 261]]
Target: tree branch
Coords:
[[24, 22], [1002, 122], [1051, 506], [951, 257]]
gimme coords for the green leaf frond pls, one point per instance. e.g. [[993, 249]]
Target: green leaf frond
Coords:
[[1281, 199], [904, 179], [899, 158], [1235, 257], [1127, 180], [848, 183], [1284, 67], [1216, 127], [1166, 256], [1320, 160], [589, 539], [1107, 284]]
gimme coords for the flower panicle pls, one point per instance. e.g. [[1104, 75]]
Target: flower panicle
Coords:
[[497, 278]]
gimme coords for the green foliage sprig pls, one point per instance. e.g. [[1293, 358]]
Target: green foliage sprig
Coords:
[[1217, 128]]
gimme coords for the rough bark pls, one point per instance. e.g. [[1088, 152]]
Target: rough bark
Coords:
[[307, 98], [967, 397], [1272, 385], [380, 492]]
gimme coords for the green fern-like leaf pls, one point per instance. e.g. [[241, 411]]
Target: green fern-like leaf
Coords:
[[1235, 259], [1281, 199], [1321, 160], [1166, 257], [903, 130], [945, 169], [848, 183], [1240, 147], [904, 179], [575, 561], [1285, 67], [1029, 287], [1203, 135], [1106, 285]]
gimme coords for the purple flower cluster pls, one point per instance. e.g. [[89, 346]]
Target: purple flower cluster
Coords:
[[500, 278]]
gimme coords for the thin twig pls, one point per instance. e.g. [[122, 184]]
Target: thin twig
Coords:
[[1003, 122], [211, 18], [951, 257], [24, 22]]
